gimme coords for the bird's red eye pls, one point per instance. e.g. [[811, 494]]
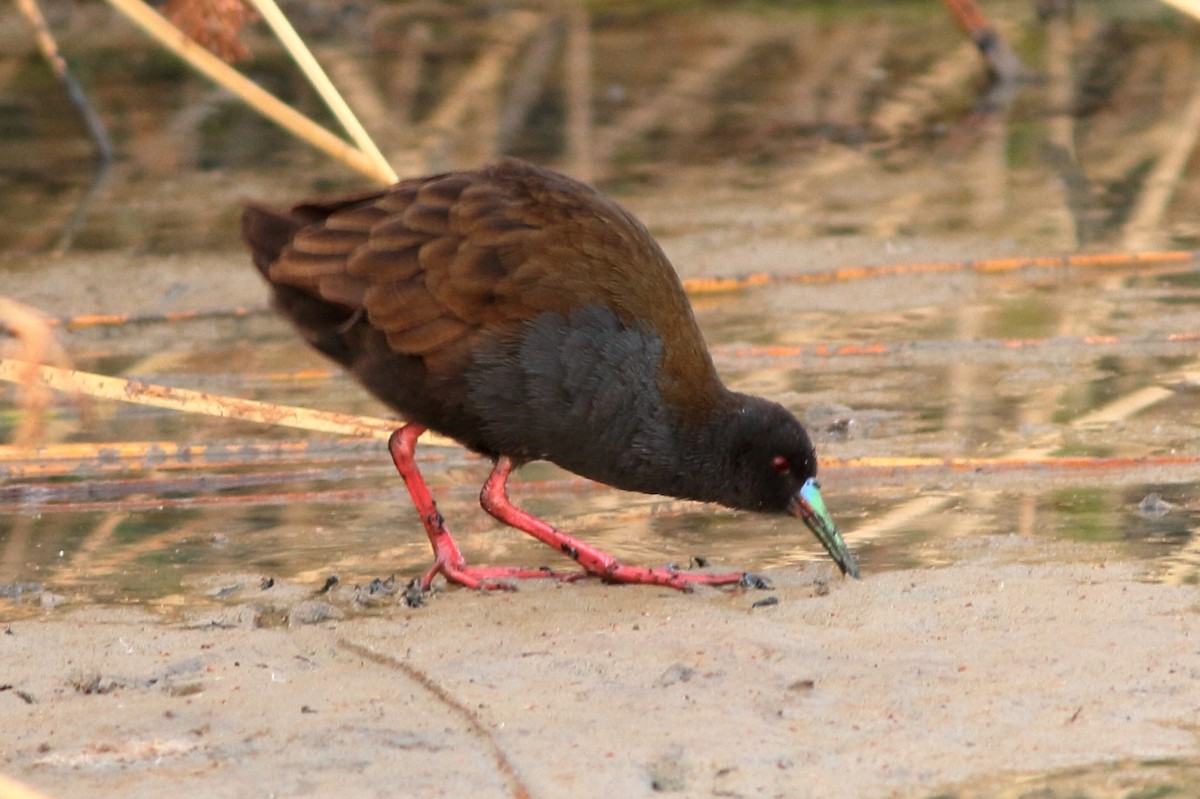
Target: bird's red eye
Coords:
[[780, 464]]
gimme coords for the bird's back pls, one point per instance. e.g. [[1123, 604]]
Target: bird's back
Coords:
[[432, 290]]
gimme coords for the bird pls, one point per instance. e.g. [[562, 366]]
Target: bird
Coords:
[[528, 316]]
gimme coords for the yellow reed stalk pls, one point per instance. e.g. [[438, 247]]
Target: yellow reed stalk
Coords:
[[188, 401], [175, 40], [320, 81], [1190, 7]]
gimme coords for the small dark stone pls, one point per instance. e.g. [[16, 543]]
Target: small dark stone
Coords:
[[766, 602], [330, 583], [376, 591], [840, 425], [414, 595], [679, 672], [378, 587], [94, 684], [750, 580], [1153, 506], [669, 773], [184, 689], [227, 591]]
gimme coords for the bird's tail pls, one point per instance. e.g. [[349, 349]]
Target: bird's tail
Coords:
[[324, 324], [266, 232]]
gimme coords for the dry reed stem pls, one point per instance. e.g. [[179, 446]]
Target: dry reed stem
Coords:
[[81, 321], [188, 401], [846, 274], [865, 473], [1189, 7], [721, 284], [38, 345], [91, 119], [118, 457], [169, 36], [1009, 463], [49, 49], [312, 70]]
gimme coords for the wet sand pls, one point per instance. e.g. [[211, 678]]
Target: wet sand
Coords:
[[899, 685]]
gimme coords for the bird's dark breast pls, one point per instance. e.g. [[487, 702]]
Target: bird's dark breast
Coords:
[[581, 391]]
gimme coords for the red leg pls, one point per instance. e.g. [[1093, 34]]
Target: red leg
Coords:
[[447, 559], [494, 499]]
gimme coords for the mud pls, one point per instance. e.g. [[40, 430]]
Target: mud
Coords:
[[1022, 657]]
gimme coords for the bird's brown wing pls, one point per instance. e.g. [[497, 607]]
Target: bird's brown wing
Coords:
[[434, 262]]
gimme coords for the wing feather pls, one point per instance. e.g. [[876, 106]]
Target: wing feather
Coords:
[[434, 262]]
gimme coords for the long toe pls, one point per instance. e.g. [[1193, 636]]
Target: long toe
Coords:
[[683, 581], [494, 578]]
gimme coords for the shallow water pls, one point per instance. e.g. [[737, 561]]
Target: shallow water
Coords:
[[956, 364], [150, 536]]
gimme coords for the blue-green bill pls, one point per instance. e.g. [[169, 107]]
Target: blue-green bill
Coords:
[[809, 506]]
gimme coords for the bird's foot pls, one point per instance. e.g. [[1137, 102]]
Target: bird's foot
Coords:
[[490, 578], [595, 561], [447, 558], [496, 578], [615, 572], [752, 580]]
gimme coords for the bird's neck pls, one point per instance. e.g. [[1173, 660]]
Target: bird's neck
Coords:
[[705, 461]]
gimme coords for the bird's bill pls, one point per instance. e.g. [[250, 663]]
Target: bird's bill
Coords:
[[808, 505]]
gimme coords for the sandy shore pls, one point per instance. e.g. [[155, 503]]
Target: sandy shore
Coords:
[[900, 685]]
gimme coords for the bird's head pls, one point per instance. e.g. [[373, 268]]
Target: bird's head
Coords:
[[774, 470]]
